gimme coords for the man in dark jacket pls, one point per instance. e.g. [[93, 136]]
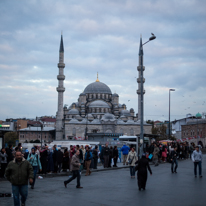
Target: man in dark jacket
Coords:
[[75, 165], [18, 172], [106, 153], [54, 155], [142, 167]]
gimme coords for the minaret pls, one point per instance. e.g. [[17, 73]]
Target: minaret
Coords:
[[60, 89], [141, 54]]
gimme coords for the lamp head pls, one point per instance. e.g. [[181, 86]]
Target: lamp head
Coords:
[[172, 90]]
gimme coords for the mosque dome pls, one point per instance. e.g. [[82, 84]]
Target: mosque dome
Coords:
[[115, 95], [99, 104], [73, 112], [97, 87], [108, 116]]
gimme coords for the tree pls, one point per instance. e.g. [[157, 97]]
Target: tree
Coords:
[[11, 137]]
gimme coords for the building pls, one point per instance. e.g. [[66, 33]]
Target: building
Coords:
[[97, 113], [177, 125], [36, 133], [195, 131]]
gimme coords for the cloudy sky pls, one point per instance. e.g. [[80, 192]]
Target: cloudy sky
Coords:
[[102, 36]]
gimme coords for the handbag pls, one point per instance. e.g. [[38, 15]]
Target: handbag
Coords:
[[150, 156], [131, 160]]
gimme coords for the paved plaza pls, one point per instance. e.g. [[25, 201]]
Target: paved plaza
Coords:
[[115, 187]]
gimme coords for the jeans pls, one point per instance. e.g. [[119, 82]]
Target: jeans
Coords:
[[75, 174], [124, 159], [172, 165], [59, 165], [132, 171], [22, 190], [35, 169], [87, 165], [200, 168]]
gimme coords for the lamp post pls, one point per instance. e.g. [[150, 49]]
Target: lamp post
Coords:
[[142, 103], [170, 90]]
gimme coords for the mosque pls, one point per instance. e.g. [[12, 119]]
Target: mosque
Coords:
[[97, 113]]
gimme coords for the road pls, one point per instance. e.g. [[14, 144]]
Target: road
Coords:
[[115, 187]]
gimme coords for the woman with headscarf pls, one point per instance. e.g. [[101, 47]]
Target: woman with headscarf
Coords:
[[143, 165]]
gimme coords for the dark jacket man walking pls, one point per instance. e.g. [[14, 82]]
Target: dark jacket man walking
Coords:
[[75, 165], [18, 172]]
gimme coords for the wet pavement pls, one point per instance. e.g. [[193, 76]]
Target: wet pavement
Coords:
[[115, 187]]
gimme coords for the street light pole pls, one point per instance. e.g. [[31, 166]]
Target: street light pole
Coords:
[[142, 101], [170, 90]]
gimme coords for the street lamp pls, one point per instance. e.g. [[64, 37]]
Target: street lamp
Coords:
[[142, 105], [170, 90]]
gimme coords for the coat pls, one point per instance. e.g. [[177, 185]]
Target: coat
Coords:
[[133, 156], [142, 167], [156, 153], [164, 153], [18, 174], [75, 163]]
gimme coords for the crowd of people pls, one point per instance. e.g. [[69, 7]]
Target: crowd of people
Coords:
[[46, 160]]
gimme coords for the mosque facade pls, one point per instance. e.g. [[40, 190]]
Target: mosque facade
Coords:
[[97, 112]]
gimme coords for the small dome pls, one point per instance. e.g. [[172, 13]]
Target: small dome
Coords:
[[198, 115], [73, 112], [73, 121], [97, 87], [99, 104], [131, 110], [95, 121], [125, 113], [108, 116], [115, 95], [130, 121], [119, 121], [82, 94]]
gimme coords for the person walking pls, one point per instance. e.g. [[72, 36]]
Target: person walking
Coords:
[[43, 159], [131, 159], [88, 159], [3, 162], [125, 150], [142, 167], [174, 160], [197, 159], [34, 160], [115, 156], [155, 155], [18, 172], [75, 166]]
